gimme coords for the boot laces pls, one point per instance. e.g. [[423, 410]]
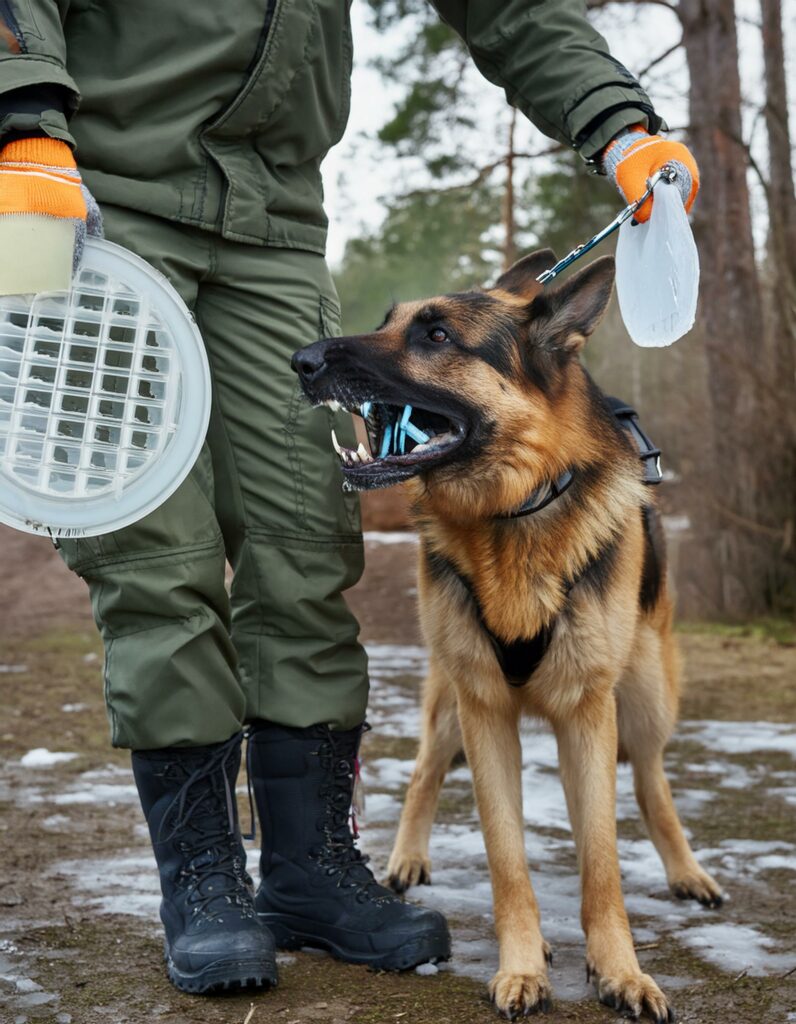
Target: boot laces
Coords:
[[204, 827], [339, 854]]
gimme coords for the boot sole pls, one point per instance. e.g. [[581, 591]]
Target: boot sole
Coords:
[[224, 976], [290, 934]]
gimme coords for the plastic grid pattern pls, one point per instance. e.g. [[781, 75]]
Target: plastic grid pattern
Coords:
[[89, 388]]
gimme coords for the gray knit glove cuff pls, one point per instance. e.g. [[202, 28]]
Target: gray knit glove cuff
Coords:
[[92, 226], [617, 150]]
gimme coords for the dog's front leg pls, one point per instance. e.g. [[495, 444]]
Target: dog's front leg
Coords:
[[492, 744], [440, 741], [587, 744]]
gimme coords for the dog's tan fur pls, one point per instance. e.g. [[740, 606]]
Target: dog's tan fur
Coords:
[[609, 683]]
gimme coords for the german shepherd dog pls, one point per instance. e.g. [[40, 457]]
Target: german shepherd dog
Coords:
[[561, 613]]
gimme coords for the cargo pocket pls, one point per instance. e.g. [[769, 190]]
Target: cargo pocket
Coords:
[[185, 522]]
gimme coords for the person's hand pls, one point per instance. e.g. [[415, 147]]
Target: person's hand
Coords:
[[40, 176], [635, 155]]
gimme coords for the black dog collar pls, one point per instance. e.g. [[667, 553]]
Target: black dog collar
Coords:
[[542, 496], [649, 454]]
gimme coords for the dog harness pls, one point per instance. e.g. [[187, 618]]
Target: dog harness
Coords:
[[519, 659]]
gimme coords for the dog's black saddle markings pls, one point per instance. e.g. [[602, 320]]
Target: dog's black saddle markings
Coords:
[[519, 659]]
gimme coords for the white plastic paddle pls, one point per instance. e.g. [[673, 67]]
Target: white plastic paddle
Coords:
[[104, 397]]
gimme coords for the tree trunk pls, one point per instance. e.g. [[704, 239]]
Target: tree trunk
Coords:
[[737, 550], [782, 274], [780, 195], [509, 215]]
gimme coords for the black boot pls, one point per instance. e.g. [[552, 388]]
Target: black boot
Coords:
[[214, 939], [315, 888]]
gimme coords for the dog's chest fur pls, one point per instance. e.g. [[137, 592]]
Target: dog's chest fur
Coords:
[[576, 567]]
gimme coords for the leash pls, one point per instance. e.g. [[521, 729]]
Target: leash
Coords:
[[394, 440], [666, 173]]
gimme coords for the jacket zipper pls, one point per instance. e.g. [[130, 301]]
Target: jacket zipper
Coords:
[[9, 17]]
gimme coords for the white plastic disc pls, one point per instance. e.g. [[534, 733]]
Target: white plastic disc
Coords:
[[657, 272], [104, 398]]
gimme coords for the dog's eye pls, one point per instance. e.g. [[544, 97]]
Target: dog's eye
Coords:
[[438, 335]]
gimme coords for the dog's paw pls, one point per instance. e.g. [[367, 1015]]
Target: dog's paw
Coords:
[[520, 995], [406, 870], [698, 885], [634, 995]]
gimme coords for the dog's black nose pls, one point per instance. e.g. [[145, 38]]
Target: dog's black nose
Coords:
[[309, 362]]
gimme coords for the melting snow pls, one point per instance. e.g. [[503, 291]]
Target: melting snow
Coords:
[[117, 885], [40, 757], [128, 884], [97, 793], [736, 947], [386, 537], [460, 877], [741, 737], [54, 821]]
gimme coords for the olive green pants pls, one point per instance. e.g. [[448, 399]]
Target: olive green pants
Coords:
[[186, 662]]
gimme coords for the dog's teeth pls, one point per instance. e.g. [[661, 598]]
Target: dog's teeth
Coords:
[[336, 443], [363, 453], [348, 457]]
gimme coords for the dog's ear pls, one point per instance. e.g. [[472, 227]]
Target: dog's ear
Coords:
[[565, 317], [520, 279]]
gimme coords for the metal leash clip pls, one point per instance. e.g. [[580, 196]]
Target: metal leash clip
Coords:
[[667, 173]]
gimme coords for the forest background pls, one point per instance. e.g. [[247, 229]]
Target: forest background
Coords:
[[439, 184]]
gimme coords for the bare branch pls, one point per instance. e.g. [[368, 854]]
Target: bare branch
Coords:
[[745, 146], [748, 524], [559, 147], [595, 5], [479, 179], [484, 173], [659, 59]]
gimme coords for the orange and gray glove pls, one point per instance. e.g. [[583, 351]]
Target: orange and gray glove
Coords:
[[634, 156], [40, 176]]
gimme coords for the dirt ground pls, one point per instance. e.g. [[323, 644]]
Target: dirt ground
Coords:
[[78, 934]]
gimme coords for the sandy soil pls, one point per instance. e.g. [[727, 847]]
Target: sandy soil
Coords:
[[78, 938]]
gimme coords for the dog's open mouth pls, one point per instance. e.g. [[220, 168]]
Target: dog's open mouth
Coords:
[[403, 440]]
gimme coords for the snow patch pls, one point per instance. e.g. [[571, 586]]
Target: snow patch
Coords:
[[736, 947], [741, 737], [116, 885], [54, 821], [388, 537], [461, 888], [41, 757], [460, 880], [99, 793]]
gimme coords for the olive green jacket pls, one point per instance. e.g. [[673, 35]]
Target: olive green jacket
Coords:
[[218, 114]]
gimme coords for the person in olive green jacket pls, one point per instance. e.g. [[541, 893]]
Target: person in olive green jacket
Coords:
[[200, 129]]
